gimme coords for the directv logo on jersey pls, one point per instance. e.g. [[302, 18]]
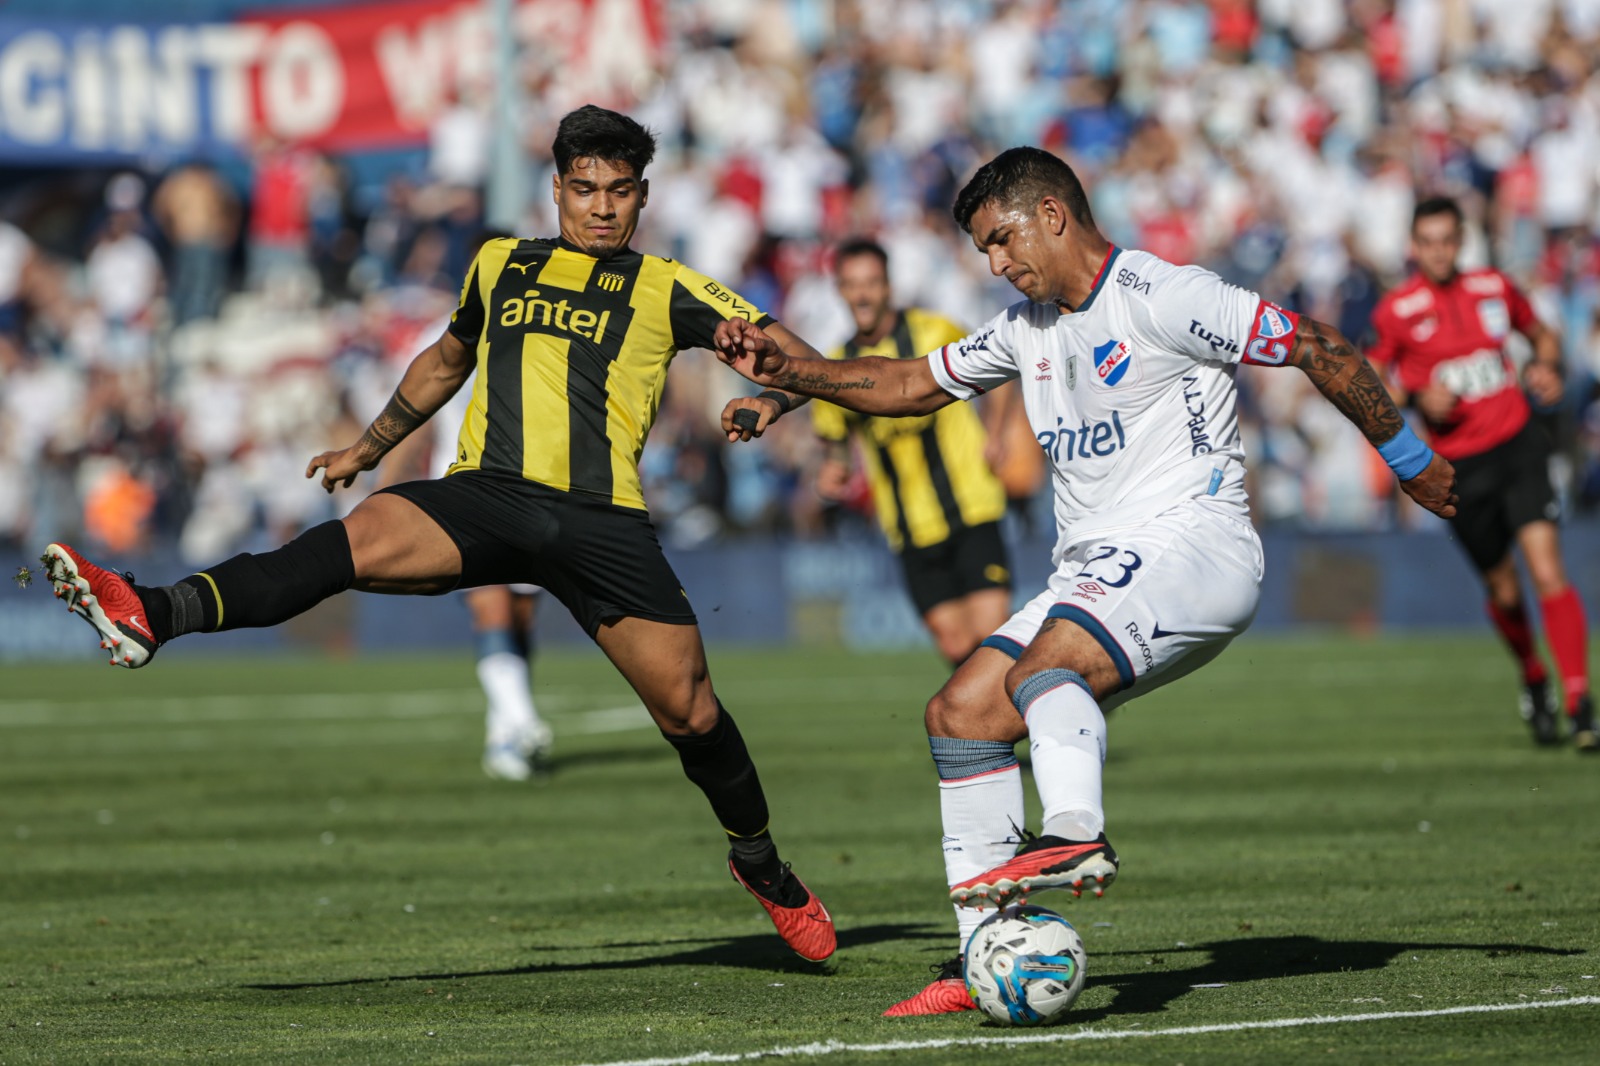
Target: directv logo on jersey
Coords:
[[1113, 361]]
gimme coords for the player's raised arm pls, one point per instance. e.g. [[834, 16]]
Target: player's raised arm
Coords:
[[870, 385], [433, 377], [1342, 374]]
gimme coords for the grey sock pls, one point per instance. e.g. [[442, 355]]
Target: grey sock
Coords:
[[184, 600]]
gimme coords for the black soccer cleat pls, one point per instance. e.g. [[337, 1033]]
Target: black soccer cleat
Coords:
[[1533, 703], [1584, 736]]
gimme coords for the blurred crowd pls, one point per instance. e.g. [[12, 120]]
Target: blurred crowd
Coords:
[[168, 367]]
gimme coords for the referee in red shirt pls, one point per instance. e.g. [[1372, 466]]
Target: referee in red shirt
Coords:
[[1441, 335]]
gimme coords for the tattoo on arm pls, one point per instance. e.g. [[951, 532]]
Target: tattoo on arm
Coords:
[[817, 384], [1344, 376], [393, 424]]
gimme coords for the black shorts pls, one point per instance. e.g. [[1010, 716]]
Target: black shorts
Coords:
[[969, 560], [601, 560], [1502, 490]]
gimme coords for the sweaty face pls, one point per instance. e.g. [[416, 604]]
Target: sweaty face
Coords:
[[598, 203], [1013, 239], [1435, 244], [863, 281]]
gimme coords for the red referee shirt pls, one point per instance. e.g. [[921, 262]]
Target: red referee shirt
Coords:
[[1455, 334]]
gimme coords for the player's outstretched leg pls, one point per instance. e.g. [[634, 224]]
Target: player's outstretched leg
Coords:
[[980, 801], [247, 590], [1067, 734], [666, 666]]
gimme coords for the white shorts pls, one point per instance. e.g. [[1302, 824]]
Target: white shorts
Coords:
[[517, 588], [1162, 599]]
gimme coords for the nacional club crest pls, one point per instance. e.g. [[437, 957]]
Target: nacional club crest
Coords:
[[1113, 363], [1273, 322]]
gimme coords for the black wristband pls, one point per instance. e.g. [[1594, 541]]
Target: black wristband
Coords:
[[780, 398]]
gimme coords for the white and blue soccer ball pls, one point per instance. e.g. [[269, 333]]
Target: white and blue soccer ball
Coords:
[[1024, 965]]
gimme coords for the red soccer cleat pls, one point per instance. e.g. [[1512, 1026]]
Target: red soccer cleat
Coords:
[[807, 928], [1041, 862], [106, 601], [947, 994]]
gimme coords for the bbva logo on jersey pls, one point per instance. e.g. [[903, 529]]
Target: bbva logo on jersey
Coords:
[[1114, 364]]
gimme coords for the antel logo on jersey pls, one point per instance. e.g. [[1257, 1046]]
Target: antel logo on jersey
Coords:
[[1274, 323], [1113, 361], [1089, 439]]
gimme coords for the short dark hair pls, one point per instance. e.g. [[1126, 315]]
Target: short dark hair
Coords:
[[592, 132], [1437, 205], [860, 246], [1022, 177]]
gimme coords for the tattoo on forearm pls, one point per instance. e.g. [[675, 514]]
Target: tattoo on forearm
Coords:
[[397, 419], [1344, 376], [811, 384]]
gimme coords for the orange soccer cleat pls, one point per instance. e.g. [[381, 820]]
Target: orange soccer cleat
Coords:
[[107, 601], [1041, 862], [806, 927]]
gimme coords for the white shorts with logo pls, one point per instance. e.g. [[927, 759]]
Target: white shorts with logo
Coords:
[[1162, 599]]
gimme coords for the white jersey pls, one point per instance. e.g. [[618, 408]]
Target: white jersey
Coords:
[[1132, 395]]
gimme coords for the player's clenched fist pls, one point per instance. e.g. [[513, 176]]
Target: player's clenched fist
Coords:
[[749, 350], [1435, 487]]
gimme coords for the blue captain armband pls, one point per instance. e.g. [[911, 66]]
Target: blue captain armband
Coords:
[[1405, 453]]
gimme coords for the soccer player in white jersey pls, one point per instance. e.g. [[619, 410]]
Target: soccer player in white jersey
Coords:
[[1126, 364]]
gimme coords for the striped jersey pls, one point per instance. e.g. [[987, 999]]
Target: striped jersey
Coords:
[[928, 475], [572, 359]]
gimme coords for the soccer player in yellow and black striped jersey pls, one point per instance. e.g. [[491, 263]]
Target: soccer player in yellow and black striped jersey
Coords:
[[937, 500], [571, 338]]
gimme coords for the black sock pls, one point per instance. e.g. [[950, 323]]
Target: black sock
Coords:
[[252, 591], [718, 762]]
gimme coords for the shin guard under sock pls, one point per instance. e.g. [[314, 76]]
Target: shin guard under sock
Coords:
[[1566, 631], [1517, 632], [980, 809], [718, 762], [1067, 732], [252, 591]]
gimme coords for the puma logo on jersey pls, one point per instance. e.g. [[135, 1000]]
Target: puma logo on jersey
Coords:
[[523, 267]]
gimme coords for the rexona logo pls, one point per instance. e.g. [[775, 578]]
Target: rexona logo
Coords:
[[1113, 363], [532, 311]]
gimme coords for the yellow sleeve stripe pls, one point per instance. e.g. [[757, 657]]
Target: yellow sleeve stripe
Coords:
[[215, 595]]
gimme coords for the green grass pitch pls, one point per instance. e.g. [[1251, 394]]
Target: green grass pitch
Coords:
[[299, 861]]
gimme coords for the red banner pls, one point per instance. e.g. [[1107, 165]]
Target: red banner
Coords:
[[378, 73]]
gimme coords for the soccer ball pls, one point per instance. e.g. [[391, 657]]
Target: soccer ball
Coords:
[[1024, 965]]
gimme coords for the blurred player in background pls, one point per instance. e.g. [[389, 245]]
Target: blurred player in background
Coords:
[[1126, 364], [571, 338], [937, 500], [1441, 335], [517, 741]]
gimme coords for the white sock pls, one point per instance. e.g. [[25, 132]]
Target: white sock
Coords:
[[1067, 735], [511, 716], [980, 806]]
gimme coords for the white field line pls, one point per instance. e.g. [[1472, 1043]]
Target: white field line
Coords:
[[302, 707], [834, 1047]]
